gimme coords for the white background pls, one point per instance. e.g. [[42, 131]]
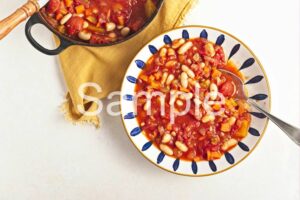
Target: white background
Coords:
[[44, 157]]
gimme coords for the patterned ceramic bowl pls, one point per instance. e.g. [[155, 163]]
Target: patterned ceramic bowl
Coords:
[[256, 84]]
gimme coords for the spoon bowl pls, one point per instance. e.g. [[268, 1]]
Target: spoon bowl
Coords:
[[292, 131], [239, 92]]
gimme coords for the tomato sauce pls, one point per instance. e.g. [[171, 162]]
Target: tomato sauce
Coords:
[[191, 69], [98, 21]]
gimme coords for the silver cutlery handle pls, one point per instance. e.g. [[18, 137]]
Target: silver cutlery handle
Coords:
[[292, 131]]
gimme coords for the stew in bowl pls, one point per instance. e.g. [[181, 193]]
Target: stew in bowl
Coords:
[[180, 110], [187, 74]]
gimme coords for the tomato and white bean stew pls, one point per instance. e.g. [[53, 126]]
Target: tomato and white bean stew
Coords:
[[98, 21], [207, 120]]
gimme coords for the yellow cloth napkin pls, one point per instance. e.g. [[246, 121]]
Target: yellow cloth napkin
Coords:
[[106, 66]]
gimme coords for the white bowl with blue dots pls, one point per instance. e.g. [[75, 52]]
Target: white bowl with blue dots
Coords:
[[256, 84]]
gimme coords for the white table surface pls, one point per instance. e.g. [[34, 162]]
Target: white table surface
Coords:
[[44, 157]]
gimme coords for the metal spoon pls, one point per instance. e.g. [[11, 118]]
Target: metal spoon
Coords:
[[291, 131]]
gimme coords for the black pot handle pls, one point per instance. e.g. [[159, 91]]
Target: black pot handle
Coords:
[[36, 19]]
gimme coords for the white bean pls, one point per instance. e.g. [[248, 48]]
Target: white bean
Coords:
[[173, 133], [120, 27], [208, 118], [196, 57], [189, 72], [125, 31], [163, 52], [166, 149], [110, 26], [184, 48], [170, 79], [84, 35], [147, 105], [171, 63], [65, 19], [176, 44], [112, 35], [179, 103], [185, 68], [202, 65], [166, 138], [213, 87], [164, 78], [213, 91], [171, 52], [182, 147], [232, 121], [184, 79], [230, 143], [95, 11], [85, 24], [78, 15], [210, 50]]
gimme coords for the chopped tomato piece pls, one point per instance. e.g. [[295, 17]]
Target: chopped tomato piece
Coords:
[[53, 6], [74, 25], [228, 89]]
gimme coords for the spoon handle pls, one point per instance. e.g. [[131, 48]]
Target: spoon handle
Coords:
[[292, 131]]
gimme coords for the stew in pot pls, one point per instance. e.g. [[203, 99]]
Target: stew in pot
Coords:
[[98, 21]]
